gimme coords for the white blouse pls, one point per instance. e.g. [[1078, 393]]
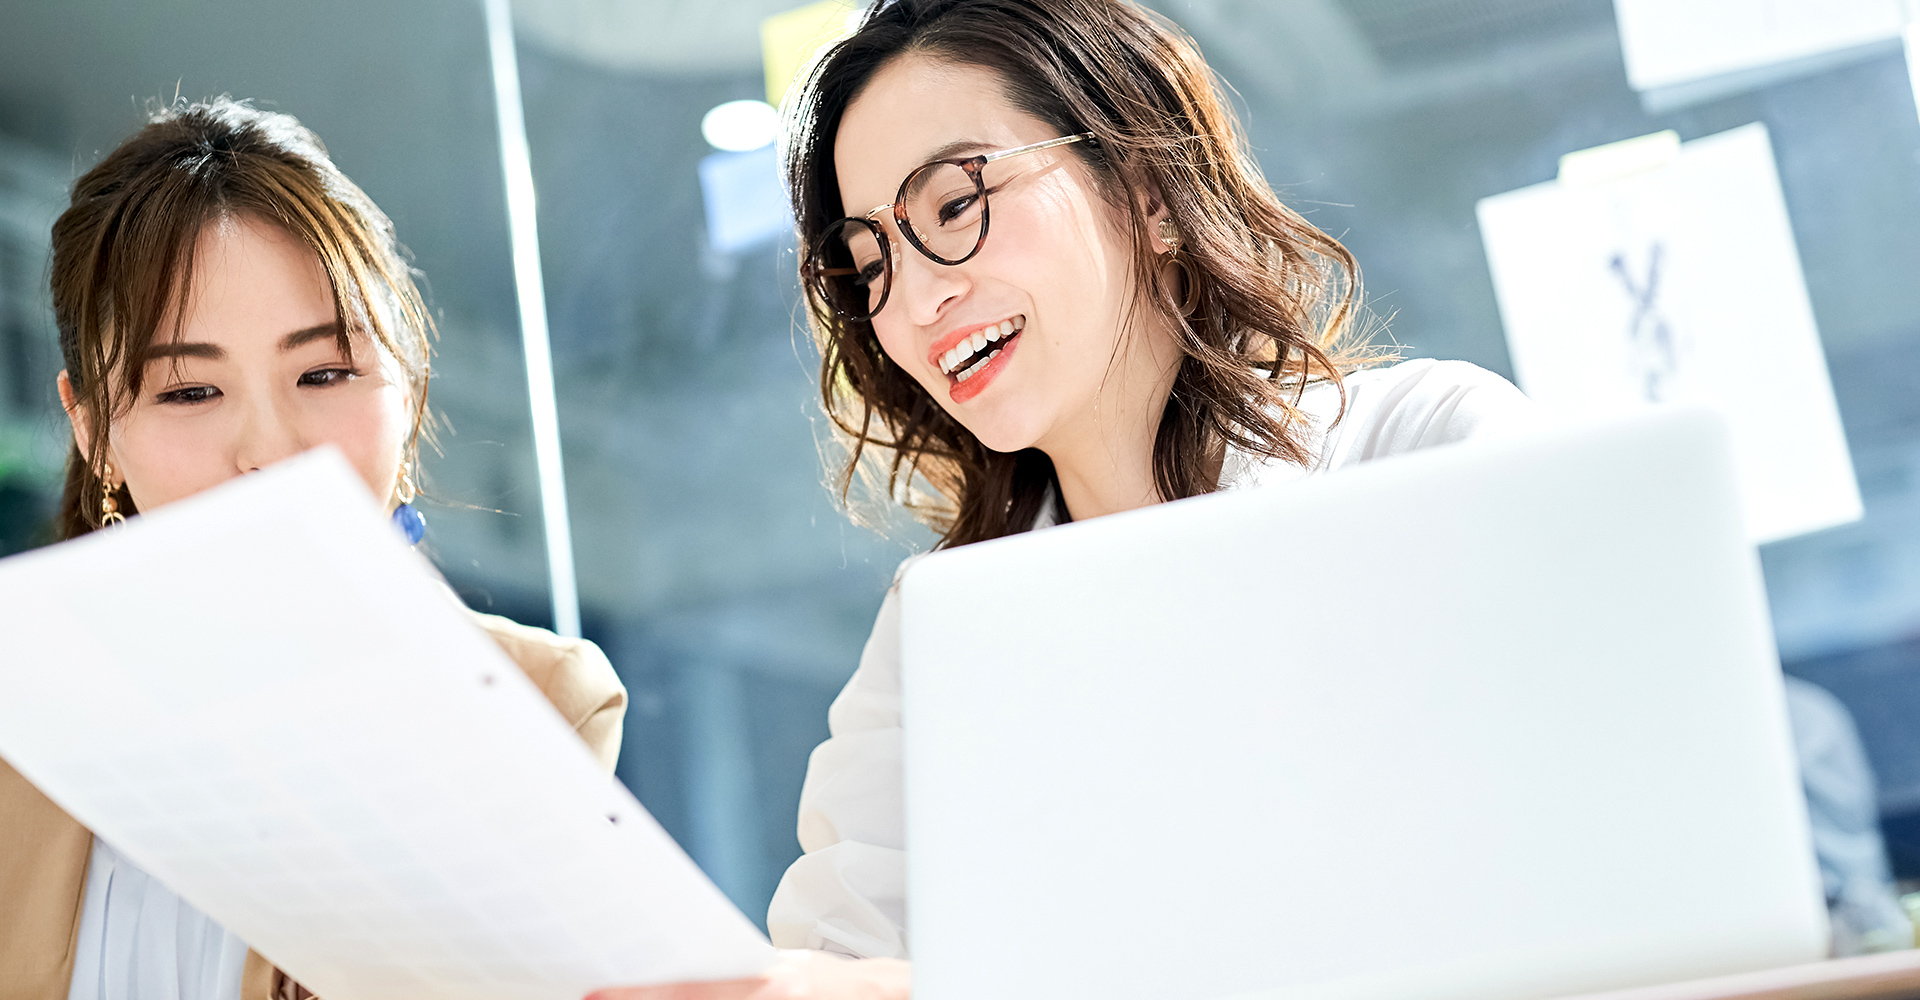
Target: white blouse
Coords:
[[848, 892], [139, 941]]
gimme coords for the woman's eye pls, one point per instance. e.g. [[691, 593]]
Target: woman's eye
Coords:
[[187, 395], [954, 209], [329, 376], [869, 274]]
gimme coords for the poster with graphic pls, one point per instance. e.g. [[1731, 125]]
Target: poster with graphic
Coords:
[[1679, 283]]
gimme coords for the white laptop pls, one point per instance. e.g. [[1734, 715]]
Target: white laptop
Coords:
[[1499, 720]]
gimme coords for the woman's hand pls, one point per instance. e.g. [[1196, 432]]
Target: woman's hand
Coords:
[[799, 975]]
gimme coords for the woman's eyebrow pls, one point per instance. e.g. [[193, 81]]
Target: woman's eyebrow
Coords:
[[177, 349], [955, 148], [301, 338], [214, 352], [946, 152]]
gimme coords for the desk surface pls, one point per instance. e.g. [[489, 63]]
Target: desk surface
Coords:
[[1867, 977]]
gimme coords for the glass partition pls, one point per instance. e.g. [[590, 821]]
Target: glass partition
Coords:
[[714, 567]]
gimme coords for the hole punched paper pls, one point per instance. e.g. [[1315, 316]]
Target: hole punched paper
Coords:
[[263, 698]]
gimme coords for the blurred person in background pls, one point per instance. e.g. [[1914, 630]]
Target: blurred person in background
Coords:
[[1048, 282], [1864, 913], [226, 298]]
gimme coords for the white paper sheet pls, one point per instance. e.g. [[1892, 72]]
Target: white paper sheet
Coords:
[[266, 701], [1673, 43], [1680, 284]]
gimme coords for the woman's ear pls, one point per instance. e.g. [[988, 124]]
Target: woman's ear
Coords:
[[1152, 209], [77, 415]]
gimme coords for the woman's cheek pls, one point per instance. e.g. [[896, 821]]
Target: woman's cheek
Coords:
[[166, 460], [900, 345], [372, 428]]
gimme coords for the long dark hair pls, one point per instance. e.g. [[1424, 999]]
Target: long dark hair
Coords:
[[1276, 296], [123, 252]]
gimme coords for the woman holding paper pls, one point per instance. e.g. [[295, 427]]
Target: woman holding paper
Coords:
[[1142, 321], [226, 298]]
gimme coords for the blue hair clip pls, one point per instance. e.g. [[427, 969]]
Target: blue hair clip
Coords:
[[410, 523]]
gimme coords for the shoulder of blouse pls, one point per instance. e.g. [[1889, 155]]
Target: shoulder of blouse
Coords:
[[574, 675], [43, 874], [1421, 403], [1390, 410]]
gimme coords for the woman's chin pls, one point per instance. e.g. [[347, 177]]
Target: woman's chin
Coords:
[[1005, 440]]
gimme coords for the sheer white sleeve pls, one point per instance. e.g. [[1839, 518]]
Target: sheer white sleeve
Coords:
[[848, 893]]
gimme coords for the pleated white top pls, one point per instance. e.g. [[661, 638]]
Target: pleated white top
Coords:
[[139, 941]]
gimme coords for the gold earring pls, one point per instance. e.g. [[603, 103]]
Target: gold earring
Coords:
[[1170, 235], [109, 507], [405, 491], [1189, 298]]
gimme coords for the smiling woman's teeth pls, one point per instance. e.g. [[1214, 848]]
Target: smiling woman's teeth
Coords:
[[977, 365], [973, 345]]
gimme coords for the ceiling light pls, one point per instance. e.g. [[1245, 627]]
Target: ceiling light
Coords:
[[738, 126]]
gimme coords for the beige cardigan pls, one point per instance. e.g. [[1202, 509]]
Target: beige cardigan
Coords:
[[44, 852]]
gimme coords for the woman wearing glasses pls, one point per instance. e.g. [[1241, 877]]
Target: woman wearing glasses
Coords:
[[1081, 299]]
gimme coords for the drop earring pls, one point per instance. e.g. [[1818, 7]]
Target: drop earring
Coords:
[[109, 507], [1187, 295], [1169, 234], [405, 517]]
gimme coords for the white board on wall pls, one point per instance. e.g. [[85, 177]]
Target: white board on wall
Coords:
[[1701, 49], [1680, 283]]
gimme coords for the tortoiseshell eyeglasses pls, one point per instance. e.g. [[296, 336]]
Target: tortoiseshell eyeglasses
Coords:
[[941, 209]]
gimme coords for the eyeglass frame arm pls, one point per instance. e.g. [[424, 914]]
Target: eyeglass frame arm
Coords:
[[983, 158]]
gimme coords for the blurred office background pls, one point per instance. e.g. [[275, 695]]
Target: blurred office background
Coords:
[[714, 567]]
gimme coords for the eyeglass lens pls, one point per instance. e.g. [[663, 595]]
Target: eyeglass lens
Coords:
[[852, 268], [946, 211]]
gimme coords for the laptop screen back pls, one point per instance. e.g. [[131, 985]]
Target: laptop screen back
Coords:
[[1499, 720]]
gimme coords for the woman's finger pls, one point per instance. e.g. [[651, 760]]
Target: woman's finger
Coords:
[[732, 989]]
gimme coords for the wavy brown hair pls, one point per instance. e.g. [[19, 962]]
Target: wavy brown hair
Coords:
[[123, 253], [1276, 296]]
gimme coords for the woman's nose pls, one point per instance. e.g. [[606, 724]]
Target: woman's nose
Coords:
[[267, 434], [924, 288]]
